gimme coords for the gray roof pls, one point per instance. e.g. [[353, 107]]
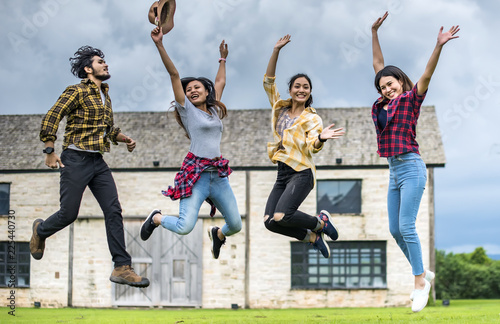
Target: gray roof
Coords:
[[246, 133]]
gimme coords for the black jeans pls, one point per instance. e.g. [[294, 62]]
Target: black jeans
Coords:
[[82, 169], [289, 191]]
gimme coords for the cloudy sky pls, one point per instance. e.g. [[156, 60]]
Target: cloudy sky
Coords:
[[330, 41]]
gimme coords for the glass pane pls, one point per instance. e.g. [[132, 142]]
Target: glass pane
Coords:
[[377, 270], [365, 282], [23, 269], [313, 270], [313, 280], [365, 270], [354, 270], [339, 196], [378, 282], [297, 258], [4, 198], [324, 270], [324, 280], [297, 269]]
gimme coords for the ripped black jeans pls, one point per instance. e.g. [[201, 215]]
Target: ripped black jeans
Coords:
[[289, 191]]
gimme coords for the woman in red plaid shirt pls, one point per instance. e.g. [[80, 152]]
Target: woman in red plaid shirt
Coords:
[[395, 115]]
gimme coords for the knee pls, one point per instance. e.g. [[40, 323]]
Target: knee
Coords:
[[395, 233], [267, 222], [183, 228], [278, 217], [236, 227]]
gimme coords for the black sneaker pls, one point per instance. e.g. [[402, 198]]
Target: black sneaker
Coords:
[[321, 245], [148, 226], [216, 242], [329, 228]]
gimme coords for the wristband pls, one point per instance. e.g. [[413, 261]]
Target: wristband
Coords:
[[222, 59], [320, 139]]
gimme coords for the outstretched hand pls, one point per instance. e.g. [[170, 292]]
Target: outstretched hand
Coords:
[[157, 35], [329, 133], [282, 42], [443, 38], [376, 25], [223, 49]]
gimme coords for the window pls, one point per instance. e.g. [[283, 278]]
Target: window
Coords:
[[339, 196], [352, 265], [4, 198], [20, 264]]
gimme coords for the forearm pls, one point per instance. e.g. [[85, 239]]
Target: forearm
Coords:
[[273, 61], [174, 74], [220, 79], [167, 62], [424, 81], [378, 57]]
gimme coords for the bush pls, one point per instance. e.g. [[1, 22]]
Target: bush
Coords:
[[467, 275]]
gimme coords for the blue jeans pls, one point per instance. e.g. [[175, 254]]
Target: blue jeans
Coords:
[[408, 176], [209, 185]]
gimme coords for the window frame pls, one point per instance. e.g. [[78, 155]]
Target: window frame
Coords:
[[21, 249], [318, 208], [324, 272], [9, 184]]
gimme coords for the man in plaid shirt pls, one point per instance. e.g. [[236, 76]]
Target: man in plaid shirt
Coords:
[[89, 129]]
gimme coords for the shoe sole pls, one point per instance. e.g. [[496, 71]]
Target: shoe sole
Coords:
[[326, 245], [211, 240], [335, 227], [121, 281], [36, 255], [152, 214]]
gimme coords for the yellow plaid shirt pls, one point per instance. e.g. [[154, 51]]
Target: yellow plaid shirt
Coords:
[[298, 140], [89, 122]]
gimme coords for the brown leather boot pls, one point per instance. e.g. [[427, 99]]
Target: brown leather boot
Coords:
[[125, 275], [37, 244]]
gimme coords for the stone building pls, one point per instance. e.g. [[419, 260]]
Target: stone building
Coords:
[[257, 268]]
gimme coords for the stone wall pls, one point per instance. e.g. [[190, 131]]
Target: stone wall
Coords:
[[36, 195]]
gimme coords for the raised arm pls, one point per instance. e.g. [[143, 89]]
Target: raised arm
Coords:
[[443, 38], [157, 36], [220, 78], [378, 58], [271, 66]]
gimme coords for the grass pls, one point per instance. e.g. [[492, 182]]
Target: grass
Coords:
[[459, 311]]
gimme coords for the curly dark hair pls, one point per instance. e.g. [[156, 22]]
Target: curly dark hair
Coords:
[[83, 58]]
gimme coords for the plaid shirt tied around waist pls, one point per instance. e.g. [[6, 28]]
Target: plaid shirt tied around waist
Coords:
[[190, 172], [398, 136], [89, 120]]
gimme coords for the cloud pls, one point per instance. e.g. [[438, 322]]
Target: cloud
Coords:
[[331, 41]]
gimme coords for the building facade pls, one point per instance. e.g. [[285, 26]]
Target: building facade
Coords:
[[256, 268]]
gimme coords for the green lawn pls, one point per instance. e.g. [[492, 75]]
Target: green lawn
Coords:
[[459, 311]]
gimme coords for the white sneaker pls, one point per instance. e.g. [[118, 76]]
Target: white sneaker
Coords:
[[420, 297], [429, 276]]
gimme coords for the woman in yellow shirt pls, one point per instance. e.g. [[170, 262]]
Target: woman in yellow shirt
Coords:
[[298, 132]]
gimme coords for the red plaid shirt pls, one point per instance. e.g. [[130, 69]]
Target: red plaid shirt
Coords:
[[398, 136], [191, 169]]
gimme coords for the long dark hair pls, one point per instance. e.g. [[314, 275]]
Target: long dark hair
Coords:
[[397, 73], [302, 75], [83, 58], [211, 100]]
